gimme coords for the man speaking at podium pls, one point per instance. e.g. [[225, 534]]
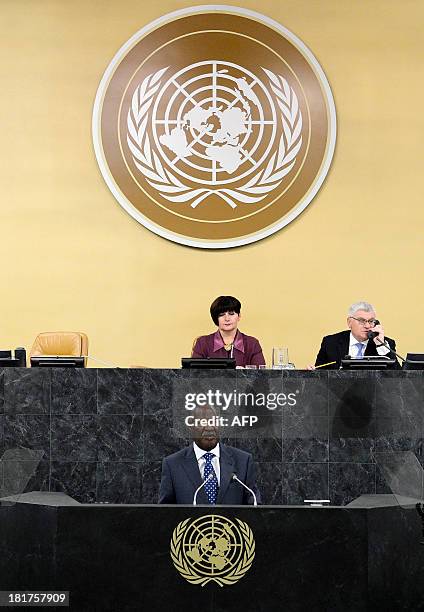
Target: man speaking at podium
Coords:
[[207, 471], [356, 341]]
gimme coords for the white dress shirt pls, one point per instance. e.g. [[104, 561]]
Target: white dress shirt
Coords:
[[199, 452], [354, 350]]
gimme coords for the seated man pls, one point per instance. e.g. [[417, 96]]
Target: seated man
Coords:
[[207, 459], [228, 341], [355, 342]]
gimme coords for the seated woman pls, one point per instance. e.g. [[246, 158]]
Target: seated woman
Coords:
[[228, 341]]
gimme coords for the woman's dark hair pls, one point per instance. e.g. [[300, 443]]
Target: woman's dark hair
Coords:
[[222, 304]]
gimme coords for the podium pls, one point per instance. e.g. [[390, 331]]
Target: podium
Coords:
[[104, 433], [99, 437], [364, 556]]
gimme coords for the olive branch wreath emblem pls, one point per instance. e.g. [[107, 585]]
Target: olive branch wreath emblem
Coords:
[[231, 577], [173, 189]]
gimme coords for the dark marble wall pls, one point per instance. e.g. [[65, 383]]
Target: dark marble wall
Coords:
[[104, 432]]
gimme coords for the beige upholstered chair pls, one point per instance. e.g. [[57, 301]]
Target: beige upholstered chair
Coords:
[[66, 344]]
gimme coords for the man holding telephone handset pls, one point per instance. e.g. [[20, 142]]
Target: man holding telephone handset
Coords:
[[357, 341]]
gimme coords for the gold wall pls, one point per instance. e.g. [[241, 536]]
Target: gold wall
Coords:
[[72, 258]]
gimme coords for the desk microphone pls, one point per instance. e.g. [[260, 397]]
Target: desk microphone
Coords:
[[255, 501], [371, 335], [105, 363], [201, 486]]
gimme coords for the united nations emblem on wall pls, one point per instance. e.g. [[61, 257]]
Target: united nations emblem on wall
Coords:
[[214, 128], [212, 549]]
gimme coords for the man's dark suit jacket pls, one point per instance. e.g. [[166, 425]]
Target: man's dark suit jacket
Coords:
[[336, 347], [181, 477]]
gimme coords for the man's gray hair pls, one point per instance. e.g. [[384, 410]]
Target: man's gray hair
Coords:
[[360, 306]]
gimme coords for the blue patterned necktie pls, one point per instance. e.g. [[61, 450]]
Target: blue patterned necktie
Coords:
[[360, 353], [211, 487]]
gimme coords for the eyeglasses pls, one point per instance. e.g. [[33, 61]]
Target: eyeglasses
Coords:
[[370, 322]]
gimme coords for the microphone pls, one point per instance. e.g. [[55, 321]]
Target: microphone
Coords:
[[391, 350], [105, 363], [255, 501], [201, 486]]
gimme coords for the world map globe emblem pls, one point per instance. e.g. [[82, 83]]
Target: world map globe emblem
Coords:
[[213, 127], [214, 122], [212, 548]]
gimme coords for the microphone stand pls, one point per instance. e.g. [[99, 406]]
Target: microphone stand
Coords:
[[371, 337], [255, 501], [105, 363], [201, 486]]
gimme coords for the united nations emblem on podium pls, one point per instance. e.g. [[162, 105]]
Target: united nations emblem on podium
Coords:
[[214, 126], [212, 548]]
